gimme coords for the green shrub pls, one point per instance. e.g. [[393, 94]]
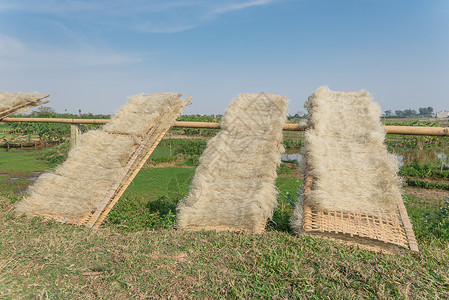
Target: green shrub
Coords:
[[437, 223], [427, 170], [164, 159], [290, 143], [285, 168], [132, 214], [426, 184], [191, 150], [57, 155]]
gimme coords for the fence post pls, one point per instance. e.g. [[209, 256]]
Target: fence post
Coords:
[[75, 132]]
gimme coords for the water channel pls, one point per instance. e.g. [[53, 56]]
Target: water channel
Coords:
[[404, 157]]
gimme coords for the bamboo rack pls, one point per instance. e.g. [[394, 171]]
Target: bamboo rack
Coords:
[[390, 233], [403, 130], [135, 163], [133, 167], [14, 109]]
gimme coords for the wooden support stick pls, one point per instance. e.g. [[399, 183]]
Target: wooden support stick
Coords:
[[75, 133], [412, 243]]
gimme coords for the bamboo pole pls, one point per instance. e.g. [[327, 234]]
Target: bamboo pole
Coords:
[[406, 130], [55, 120], [417, 130]]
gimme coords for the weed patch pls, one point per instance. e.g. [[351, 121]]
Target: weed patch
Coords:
[[427, 185], [437, 223], [427, 170]]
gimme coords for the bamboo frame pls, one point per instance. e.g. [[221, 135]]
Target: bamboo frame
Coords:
[[135, 163], [14, 109], [405, 130], [132, 169], [391, 233]]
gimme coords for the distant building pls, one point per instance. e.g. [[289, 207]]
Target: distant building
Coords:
[[443, 114]]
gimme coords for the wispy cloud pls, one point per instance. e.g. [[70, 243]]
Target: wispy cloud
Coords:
[[158, 16], [239, 6], [15, 54]]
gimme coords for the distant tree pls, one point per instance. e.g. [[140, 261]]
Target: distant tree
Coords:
[[388, 113], [425, 111], [43, 111], [410, 113], [399, 113]]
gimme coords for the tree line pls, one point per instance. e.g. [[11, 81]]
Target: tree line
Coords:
[[423, 112]]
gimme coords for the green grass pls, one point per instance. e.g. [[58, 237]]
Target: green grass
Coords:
[[137, 253], [150, 201], [160, 151], [17, 167], [41, 259], [22, 160]]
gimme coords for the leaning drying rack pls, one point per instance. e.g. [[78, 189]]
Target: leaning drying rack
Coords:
[[135, 163]]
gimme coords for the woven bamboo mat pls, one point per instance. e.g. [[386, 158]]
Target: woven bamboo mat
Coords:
[[135, 163], [391, 232], [13, 110]]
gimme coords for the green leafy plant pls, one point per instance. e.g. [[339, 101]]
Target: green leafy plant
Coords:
[[292, 143], [426, 170], [426, 184], [437, 223], [191, 150], [57, 155], [164, 159]]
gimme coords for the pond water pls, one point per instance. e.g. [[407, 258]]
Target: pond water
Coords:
[[404, 157], [289, 157], [16, 178], [423, 156]]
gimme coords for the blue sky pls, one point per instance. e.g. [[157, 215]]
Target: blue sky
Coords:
[[92, 55]]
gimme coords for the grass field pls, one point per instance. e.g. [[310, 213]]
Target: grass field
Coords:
[[139, 254], [19, 168]]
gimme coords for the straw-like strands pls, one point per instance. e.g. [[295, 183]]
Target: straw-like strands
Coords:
[[346, 156], [101, 160], [11, 103], [351, 188], [233, 187]]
